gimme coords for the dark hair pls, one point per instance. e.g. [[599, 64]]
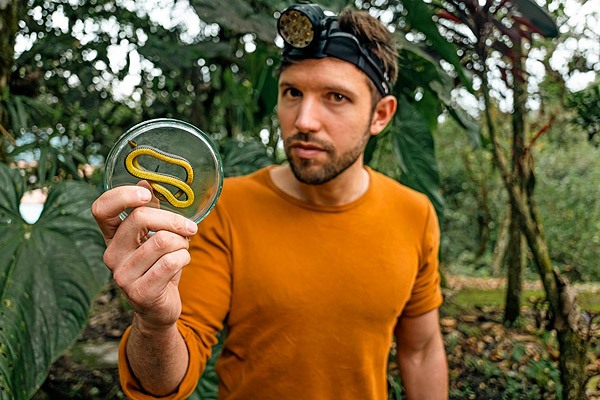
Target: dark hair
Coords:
[[370, 32]]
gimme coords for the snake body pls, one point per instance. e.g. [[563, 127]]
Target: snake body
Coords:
[[133, 166]]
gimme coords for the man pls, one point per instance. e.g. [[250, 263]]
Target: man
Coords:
[[312, 267]]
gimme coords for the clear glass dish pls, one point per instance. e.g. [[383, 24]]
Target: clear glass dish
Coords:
[[169, 140]]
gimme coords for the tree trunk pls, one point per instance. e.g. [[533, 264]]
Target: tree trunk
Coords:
[[512, 309], [570, 361], [484, 217], [514, 287], [8, 31], [560, 295], [501, 243]]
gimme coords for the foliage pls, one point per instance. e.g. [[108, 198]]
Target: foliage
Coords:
[[567, 175], [586, 104], [65, 93], [50, 273], [222, 79], [491, 361], [414, 151], [568, 202], [242, 158], [470, 186], [65, 105]]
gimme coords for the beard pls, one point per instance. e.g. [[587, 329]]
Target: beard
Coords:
[[309, 171]]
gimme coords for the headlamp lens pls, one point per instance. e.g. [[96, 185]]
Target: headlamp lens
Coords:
[[296, 28]]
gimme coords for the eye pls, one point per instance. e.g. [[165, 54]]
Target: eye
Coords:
[[337, 97], [292, 92]]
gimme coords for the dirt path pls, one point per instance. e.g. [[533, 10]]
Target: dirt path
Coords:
[[458, 282]]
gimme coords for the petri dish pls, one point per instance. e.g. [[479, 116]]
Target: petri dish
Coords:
[[173, 158]]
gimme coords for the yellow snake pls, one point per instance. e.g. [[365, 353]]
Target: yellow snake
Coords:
[[133, 166]]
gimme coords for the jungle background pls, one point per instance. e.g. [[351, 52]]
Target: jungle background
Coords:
[[480, 83]]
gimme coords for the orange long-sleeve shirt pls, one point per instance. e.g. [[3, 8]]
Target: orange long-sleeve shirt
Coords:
[[310, 295]]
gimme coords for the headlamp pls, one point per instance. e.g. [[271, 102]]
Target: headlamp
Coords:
[[299, 24], [309, 33]]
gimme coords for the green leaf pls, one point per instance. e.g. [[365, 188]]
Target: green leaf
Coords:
[[241, 158], [42, 165], [13, 117], [429, 107], [473, 129], [21, 115], [419, 17], [50, 272], [238, 16], [370, 149], [12, 188], [67, 160], [22, 148], [413, 148]]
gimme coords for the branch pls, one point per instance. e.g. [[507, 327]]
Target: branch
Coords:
[[539, 133], [529, 226], [8, 135], [543, 130]]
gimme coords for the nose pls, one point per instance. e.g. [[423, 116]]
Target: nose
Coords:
[[308, 117]]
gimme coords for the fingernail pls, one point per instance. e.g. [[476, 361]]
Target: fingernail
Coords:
[[191, 227], [144, 195]]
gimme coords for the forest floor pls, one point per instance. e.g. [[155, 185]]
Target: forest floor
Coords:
[[486, 359]]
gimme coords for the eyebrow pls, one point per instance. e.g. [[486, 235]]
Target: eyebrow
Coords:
[[331, 88], [341, 89]]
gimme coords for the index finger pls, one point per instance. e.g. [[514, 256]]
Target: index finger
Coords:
[[110, 204]]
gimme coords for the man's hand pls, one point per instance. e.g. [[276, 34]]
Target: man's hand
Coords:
[[145, 266], [422, 357]]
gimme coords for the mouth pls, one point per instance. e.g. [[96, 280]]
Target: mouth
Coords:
[[306, 150]]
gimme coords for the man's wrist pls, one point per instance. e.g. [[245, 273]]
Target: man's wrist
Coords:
[[149, 329]]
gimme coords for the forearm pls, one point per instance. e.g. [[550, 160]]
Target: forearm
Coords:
[[425, 373], [158, 358]]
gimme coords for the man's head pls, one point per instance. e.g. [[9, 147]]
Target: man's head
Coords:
[[334, 93], [353, 36]]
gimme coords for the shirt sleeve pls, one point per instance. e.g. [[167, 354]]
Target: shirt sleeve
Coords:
[[426, 292], [205, 290]]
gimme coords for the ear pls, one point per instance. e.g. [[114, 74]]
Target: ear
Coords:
[[384, 111]]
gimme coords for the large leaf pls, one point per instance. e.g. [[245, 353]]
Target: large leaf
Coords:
[[237, 16], [50, 271], [419, 17], [412, 144], [242, 16], [242, 158]]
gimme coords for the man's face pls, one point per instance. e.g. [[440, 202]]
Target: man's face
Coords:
[[325, 111]]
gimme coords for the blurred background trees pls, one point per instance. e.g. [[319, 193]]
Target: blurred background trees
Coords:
[[75, 75]]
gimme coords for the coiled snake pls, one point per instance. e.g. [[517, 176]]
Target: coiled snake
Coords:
[[133, 166]]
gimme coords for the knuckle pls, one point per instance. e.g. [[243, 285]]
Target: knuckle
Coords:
[[138, 214], [178, 223], [107, 258], [161, 240], [169, 262], [187, 258], [97, 208], [120, 280]]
